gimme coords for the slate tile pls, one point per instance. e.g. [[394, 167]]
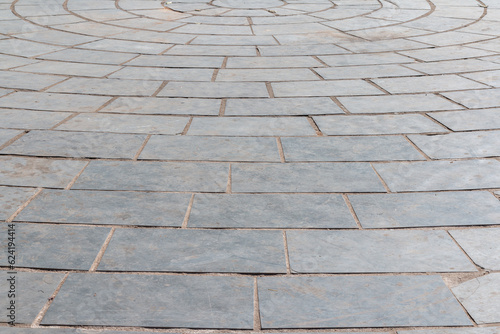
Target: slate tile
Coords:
[[154, 301], [424, 84], [365, 59], [6, 135], [195, 251], [12, 198], [485, 98], [454, 66], [357, 301], [52, 36], [462, 330], [426, 209], [310, 177], [37, 172], [119, 87], [53, 102], [21, 47], [481, 245], [270, 211], [19, 80], [324, 88], [125, 46], [211, 50], [214, 89], [68, 68], [481, 297], [234, 40], [445, 53], [375, 252], [272, 62], [160, 176], [486, 119], [89, 56], [367, 71], [18, 330], [159, 106], [171, 61], [29, 119], [301, 50], [282, 107], [267, 74], [440, 175], [491, 78], [171, 74]]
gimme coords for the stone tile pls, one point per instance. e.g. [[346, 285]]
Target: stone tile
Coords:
[[28, 119], [446, 53], [76, 145], [161, 176], [281, 107], [20, 330], [170, 74], [396, 44], [213, 29], [56, 247], [480, 297], [118, 87], [460, 145], [440, 175], [272, 62], [53, 102], [212, 50], [270, 211], [211, 148], [195, 251], [324, 88], [292, 28], [158, 106], [376, 124], [454, 66], [89, 56], [34, 172], [265, 74], [24, 48], [450, 38], [491, 78], [56, 37], [439, 83], [349, 149], [125, 124], [301, 50], [396, 103], [357, 301], [311, 177], [365, 59], [234, 40], [66, 68], [11, 199], [19, 80], [374, 252], [6, 135], [426, 209], [485, 98], [4, 92], [255, 126], [125, 46], [367, 71], [13, 61], [215, 89], [100, 207], [487, 119], [178, 301], [462, 330], [481, 245], [35, 289], [177, 61], [320, 37]]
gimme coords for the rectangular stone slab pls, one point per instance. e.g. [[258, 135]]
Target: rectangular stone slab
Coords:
[[7, 134], [324, 88], [270, 211], [357, 301], [17, 330], [481, 245], [104, 207], [214, 89], [486, 119], [30, 119], [281, 107], [195, 251], [12, 198], [477, 330], [161, 176], [438, 83], [154, 301], [374, 251], [157, 106]]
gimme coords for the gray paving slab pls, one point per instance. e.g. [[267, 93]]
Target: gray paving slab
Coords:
[[6, 135], [272, 62], [68, 68], [234, 40], [158, 106], [270, 211], [38, 172], [454, 66], [459, 145], [179, 301], [211, 50], [491, 78], [282, 107], [255, 126], [376, 124], [440, 175], [357, 301], [266, 74], [56, 247], [170, 74], [367, 71], [103, 208], [375, 252], [301, 50], [96, 86], [53, 101], [426, 209], [30, 119], [125, 124], [486, 119], [446, 53], [24, 48], [480, 297], [349, 149], [211, 148], [159, 176], [324, 88], [89, 56], [33, 291], [19, 80], [125, 46], [195, 251], [177, 61], [14, 61], [475, 330], [76, 145], [18, 330], [56, 37], [485, 98], [365, 59], [397, 103], [4, 91], [424, 84], [311, 177], [481, 245], [12, 198], [214, 89]]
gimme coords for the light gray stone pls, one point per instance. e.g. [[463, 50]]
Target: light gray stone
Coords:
[[365, 59], [446, 53], [29, 119], [465, 120], [234, 40], [89, 56], [281, 107], [119, 87], [481, 245], [19, 80], [177, 61], [53, 102], [424, 84], [159, 106], [11, 199], [215, 89], [211, 50], [125, 46], [462, 330], [485, 98], [324, 88], [266, 74], [272, 62], [6, 135], [68, 68], [170, 74], [301, 50], [368, 71], [454, 66]]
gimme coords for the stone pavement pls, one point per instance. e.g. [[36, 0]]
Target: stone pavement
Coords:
[[240, 166]]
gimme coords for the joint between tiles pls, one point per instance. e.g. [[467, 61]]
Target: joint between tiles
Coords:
[[23, 206], [351, 209], [381, 179], [315, 126], [257, 325], [186, 128], [287, 255], [68, 187], [222, 108], [136, 156], [13, 140], [270, 90], [188, 212], [99, 256], [417, 148], [229, 181], [43, 311], [280, 149]]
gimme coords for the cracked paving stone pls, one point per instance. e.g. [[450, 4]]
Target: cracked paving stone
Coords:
[[11, 199], [481, 245]]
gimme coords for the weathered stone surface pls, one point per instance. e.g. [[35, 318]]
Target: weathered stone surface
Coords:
[[12, 198], [481, 245]]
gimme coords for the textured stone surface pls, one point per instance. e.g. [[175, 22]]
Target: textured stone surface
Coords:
[[481, 245], [12, 198], [281, 107]]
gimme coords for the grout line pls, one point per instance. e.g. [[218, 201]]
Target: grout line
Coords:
[[257, 326], [41, 314], [377, 86], [258, 51], [478, 267], [381, 179], [136, 156], [214, 75], [287, 255], [65, 120], [23, 206], [186, 128], [417, 148], [351, 209], [270, 90], [222, 108], [228, 188], [162, 85], [13, 139], [280, 149], [188, 212], [340, 105], [224, 62], [315, 126], [68, 187], [113, 99], [437, 122], [99, 256]]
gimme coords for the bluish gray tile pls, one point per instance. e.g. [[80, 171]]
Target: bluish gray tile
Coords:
[[282, 107], [161, 176], [33, 291], [301, 50], [484, 98], [348, 149], [424, 84], [28, 81], [118, 87], [462, 330], [215, 89], [234, 40], [55, 247], [19, 330], [324, 88], [69, 68], [184, 250], [440, 175], [76, 145], [272, 62], [89, 56], [12, 198], [365, 59], [426, 209], [357, 301], [211, 50], [480, 297], [35, 172], [171, 74], [446, 53], [125, 46], [154, 301], [177, 61], [167, 106], [481, 245], [53, 101], [211, 148], [6, 135], [255, 126], [30, 119], [265, 74], [486, 119], [270, 211], [374, 252], [102, 207], [310, 177], [367, 71]]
